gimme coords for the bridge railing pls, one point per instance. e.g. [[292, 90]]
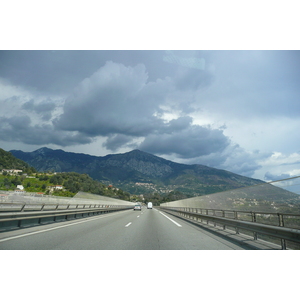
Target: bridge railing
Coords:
[[15, 215], [285, 227]]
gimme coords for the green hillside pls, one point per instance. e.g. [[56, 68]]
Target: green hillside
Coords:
[[46, 183], [138, 172], [8, 161]]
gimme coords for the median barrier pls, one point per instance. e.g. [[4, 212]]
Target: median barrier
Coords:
[[16, 215]]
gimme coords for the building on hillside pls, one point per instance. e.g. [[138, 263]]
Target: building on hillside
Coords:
[[53, 188], [12, 171]]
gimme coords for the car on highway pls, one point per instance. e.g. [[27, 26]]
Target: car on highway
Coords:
[[149, 205], [137, 207]]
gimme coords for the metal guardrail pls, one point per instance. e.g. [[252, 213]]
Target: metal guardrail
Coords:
[[233, 219], [19, 212]]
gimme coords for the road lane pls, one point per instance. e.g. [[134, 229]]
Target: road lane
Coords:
[[170, 219], [148, 229]]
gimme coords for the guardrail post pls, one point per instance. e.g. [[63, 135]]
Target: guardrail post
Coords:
[[280, 218], [236, 217], [281, 224], [223, 215], [253, 215], [207, 214], [214, 213]]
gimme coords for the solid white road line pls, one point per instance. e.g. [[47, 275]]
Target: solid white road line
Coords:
[[50, 229], [171, 219], [128, 224]]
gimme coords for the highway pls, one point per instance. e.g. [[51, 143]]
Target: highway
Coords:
[[149, 229]]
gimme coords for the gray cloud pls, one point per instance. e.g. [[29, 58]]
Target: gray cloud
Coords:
[[183, 58], [18, 123], [156, 97], [273, 177], [190, 142], [57, 72], [43, 108], [20, 129], [192, 70], [116, 141], [254, 84], [178, 124], [119, 102], [114, 100], [232, 158], [191, 79]]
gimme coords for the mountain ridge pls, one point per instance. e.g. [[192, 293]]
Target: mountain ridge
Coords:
[[137, 171]]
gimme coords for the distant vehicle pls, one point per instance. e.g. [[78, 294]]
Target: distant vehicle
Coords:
[[137, 207], [149, 205]]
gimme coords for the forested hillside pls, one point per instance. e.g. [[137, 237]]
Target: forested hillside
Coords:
[[8, 161], [138, 172], [47, 183]]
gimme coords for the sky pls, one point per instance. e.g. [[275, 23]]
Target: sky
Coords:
[[235, 110]]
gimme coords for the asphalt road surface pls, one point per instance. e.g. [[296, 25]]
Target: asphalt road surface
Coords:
[[149, 229]]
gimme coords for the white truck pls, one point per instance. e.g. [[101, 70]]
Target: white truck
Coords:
[[149, 205]]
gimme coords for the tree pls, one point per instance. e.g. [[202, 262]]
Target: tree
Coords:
[[16, 181], [6, 182]]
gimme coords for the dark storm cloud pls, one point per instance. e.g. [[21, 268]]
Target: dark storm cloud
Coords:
[[254, 84], [116, 141], [152, 100], [178, 124], [121, 103], [193, 141], [20, 129], [17, 123], [57, 72], [114, 100], [44, 108]]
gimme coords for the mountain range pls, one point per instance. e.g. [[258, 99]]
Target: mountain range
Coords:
[[138, 172]]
